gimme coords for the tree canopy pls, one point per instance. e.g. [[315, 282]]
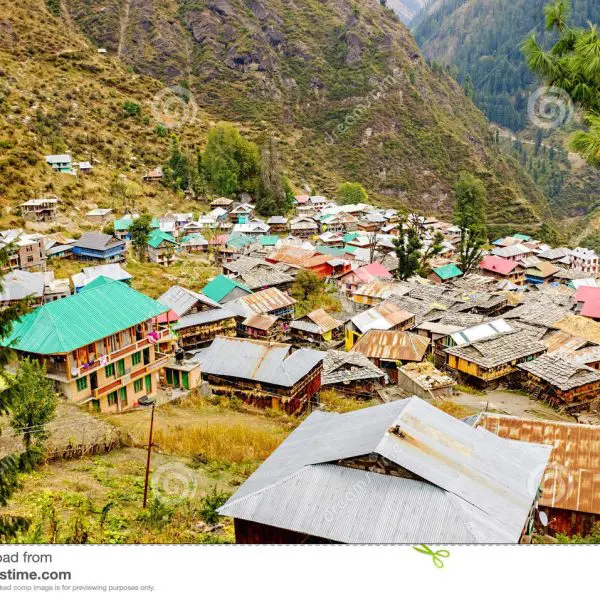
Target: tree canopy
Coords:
[[140, 232], [351, 193]]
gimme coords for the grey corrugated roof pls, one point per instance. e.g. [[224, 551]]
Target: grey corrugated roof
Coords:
[[267, 362], [94, 240], [18, 284], [203, 317], [490, 482], [181, 300]]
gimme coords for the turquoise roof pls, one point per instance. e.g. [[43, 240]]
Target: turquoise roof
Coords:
[[349, 237], [122, 224], [157, 237], [268, 240], [522, 237], [330, 251], [155, 223], [220, 286], [100, 280], [239, 241], [448, 271], [96, 312]]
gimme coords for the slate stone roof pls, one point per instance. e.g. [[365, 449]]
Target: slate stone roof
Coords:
[[559, 372], [340, 366]]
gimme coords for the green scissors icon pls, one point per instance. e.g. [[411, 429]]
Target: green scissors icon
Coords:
[[437, 556]]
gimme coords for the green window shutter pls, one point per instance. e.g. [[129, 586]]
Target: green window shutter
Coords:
[[121, 367], [185, 381], [109, 370], [136, 358], [138, 384], [82, 383], [148, 380], [112, 398], [123, 394]]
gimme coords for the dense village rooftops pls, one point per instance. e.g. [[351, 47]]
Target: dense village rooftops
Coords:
[[220, 286], [512, 251], [392, 345], [70, 323], [572, 473], [560, 372], [88, 274], [480, 332], [267, 362], [383, 316], [203, 317], [267, 300], [340, 367], [318, 321], [499, 350], [260, 321], [461, 484], [581, 327]]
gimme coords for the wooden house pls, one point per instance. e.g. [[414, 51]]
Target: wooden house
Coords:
[[390, 349], [154, 175], [318, 327], [40, 210], [398, 473], [271, 374], [303, 227], [97, 247], [491, 359], [162, 248], [445, 273], [222, 202], [352, 280], [278, 224], [99, 216], [261, 327], [569, 496], [558, 381], [270, 301], [199, 329], [352, 374], [502, 269], [104, 346]]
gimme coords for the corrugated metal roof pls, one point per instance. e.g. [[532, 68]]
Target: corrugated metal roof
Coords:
[[181, 300], [383, 316], [220, 286], [480, 332], [72, 322], [572, 477], [267, 300], [393, 345], [202, 318], [18, 284], [475, 487], [264, 322], [268, 362]]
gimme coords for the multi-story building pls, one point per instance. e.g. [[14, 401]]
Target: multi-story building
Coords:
[[97, 247], [104, 347], [28, 251], [585, 260]]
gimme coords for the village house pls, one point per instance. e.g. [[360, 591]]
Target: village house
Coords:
[[585, 260], [223, 289], [162, 248], [94, 246], [263, 374], [234, 247], [307, 259], [257, 274], [317, 327], [28, 250], [113, 271], [569, 497], [374, 292], [404, 455], [502, 269], [84, 167], [99, 216], [339, 223], [40, 210], [270, 301], [358, 276], [385, 316], [194, 243], [540, 273], [121, 226], [103, 346], [351, 374], [391, 349], [261, 327], [200, 328], [61, 163], [57, 245], [425, 381], [514, 252], [36, 288], [445, 273], [252, 229], [278, 224], [222, 202], [241, 213], [303, 227], [558, 381], [490, 360], [154, 175]]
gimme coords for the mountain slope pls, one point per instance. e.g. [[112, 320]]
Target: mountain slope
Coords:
[[341, 85]]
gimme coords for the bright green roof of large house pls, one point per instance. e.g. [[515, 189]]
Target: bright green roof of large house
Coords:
[[220, 286], [157, 237], [95, 313], [447, 271]]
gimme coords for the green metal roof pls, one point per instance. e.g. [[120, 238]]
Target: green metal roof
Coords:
[[123, 224], [330, 251], [448, 271], [95, 313], [155, 223], [220, 286], [239, 241], [521, 236], [100, 280], [268, 240], [349, 237], [157, 237]]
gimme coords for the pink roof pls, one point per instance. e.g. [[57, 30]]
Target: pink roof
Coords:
[[173, 316], [591, 309], [302, 199], [372, 271], [586, 293], [497, 264]]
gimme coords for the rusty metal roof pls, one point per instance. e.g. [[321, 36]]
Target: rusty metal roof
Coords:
[[299, 257], [392, 345], [572, 478], [267, 300], [323, 320], [263, 322]]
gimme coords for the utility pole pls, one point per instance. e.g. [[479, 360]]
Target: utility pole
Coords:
[[148, 456]]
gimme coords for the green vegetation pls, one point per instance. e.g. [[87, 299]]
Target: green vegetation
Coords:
[[351, 193], [132, 109], [469, 215], [335, 402], [573, 65], [140, 232], [275, 194], [311, 293]]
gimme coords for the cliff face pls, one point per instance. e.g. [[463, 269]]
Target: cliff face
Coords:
[[341, 84]]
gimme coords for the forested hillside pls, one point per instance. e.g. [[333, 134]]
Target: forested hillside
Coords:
[[482, 39]]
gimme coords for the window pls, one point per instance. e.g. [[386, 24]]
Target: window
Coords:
[[148, 379], [136, 358], [109, 370], [81, 384], [123, 395], [30, 259], [138, 385], [121, 367], [112, 398]]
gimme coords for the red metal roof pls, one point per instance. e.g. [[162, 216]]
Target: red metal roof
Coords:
[[497, 264], [585, 293], [591, 309]]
